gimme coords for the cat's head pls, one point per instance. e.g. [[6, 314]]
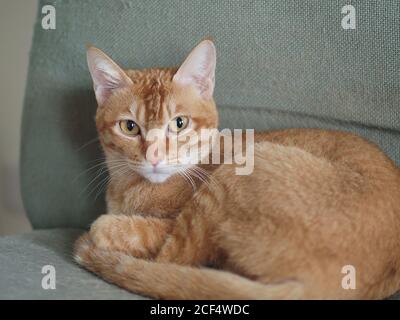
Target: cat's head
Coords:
[[134, 106]]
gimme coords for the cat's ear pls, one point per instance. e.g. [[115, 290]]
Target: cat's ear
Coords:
[[198, 70], [106, 74]]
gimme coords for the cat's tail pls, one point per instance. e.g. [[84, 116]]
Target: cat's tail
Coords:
[[171, 281]]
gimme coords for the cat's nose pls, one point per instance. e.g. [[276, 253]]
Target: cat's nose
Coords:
[[155, 157], [154, 162]]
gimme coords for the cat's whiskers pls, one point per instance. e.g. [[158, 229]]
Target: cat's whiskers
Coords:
[[88, 170], [98, 162], [102, 171], [122, 169], [193, 173], [106, 167], [202, 175], [87, 144], [103, 162], [93, 180], [186, 177], [208, 175]]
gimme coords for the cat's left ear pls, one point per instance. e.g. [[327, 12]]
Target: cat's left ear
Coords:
[[198, 70]]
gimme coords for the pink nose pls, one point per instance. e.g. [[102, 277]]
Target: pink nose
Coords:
[[154, 162], [154, 157]]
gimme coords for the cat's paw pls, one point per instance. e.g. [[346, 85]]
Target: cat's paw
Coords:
[[83, 249], [135, 235], [97, 260], [116, 232]]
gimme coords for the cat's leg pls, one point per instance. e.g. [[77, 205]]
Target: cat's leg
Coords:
[[136, 235], [190, 241]]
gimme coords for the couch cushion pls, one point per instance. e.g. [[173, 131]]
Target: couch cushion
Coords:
[[280, 64], [22, 258]]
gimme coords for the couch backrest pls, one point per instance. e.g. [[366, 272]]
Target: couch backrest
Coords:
[[281, 63]]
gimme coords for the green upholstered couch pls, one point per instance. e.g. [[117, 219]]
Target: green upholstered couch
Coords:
[[281, 63]]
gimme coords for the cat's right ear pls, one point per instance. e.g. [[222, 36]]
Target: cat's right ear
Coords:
[[106, 74]]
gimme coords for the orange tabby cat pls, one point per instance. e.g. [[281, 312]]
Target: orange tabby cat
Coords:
[[317, 200]]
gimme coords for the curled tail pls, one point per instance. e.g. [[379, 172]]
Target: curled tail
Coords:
[[171, 281]]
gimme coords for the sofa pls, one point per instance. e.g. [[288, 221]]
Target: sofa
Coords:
[[280, 64]]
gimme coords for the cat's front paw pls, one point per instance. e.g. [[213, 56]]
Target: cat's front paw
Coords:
[[116, 232], [83, 249], [97, 260], [135, 235]]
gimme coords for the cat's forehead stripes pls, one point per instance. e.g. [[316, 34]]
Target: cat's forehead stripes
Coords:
[[153, 91]]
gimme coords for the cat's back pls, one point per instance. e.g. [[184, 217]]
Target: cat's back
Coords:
[[302, 159], [326, 197], [329, 144], [303, 175]]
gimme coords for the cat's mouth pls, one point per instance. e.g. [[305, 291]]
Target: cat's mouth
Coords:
[[158, 174], [157, 177]]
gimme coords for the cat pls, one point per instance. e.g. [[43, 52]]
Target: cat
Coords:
[[317, 201]]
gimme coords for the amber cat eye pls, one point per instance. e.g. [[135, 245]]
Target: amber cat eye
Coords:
[[129, 128], [178, 124]]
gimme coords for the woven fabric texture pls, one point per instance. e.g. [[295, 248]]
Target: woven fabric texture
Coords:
[[22, 258]]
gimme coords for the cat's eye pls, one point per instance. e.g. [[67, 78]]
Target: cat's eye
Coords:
[[129, 128], [178, 124]]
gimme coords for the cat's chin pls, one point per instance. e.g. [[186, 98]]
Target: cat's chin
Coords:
[[157, 177], [162, 174]]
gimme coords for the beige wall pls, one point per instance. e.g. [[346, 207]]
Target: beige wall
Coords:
[[16, 26]]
